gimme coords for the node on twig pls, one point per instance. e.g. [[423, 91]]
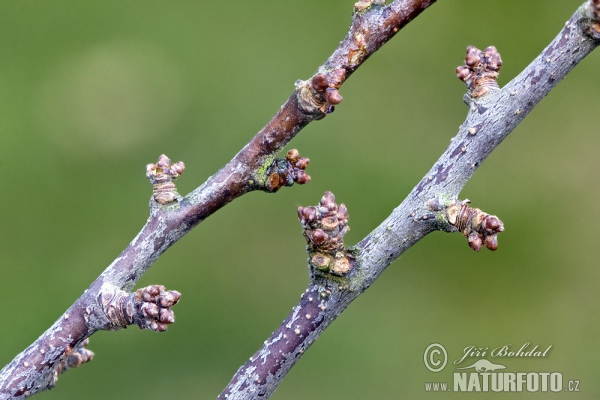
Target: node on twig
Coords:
[[480, 70], [73, 358], [324, 228], [478, 227], [286, 171], [161, 175], [148, 308], [319, 95], [364, 5]]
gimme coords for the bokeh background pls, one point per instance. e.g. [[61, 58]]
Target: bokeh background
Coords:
[[90, 92]]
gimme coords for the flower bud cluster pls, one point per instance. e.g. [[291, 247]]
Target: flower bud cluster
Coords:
[[161, 175], [286, 171], [480, 70], [148, 307], [319, 95], [478, 227], [324, 228]]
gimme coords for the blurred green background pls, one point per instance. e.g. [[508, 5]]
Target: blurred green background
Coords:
[[90, 92]]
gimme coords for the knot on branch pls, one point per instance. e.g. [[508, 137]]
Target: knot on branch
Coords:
[[73, 358], [357, 50], [319, 95], [324, 228], [148, 308], [480, 70], [477, 226], [286, 171], [161, 175], [363, 5]]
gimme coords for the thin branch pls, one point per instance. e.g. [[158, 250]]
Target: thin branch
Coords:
[[103, 306], [431, 205]]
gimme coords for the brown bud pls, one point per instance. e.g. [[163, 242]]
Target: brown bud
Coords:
[[302, 162], [319, 83], [332, 96], [492, 224], [474, 241], [292, 155], [300, 213], [331, 207], [301, 177], [178, 168], [150, 309], [491, 242], [463, 73], [163, 162], [328, 201], [74, 358], [167, 316], [318, 236], [327, 197], [472, 58], [169, 298], [493, 60], [307, 214], [343, 213], [149, 293], [158, 326]]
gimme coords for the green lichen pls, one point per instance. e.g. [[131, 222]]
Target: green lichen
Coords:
[[325, 279], [358, 279], [260, 175]]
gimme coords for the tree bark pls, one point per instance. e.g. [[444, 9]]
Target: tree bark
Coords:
[[491, 118], [108, 304]]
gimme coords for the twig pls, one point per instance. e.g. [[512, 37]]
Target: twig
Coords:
[[107, 303], [431, 205]]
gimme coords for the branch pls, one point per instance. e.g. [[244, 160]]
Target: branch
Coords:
[[107, 303], [432, 205]]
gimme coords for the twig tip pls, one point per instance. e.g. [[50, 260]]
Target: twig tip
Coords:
[[162, 175], [477, 226], [324, 228]]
